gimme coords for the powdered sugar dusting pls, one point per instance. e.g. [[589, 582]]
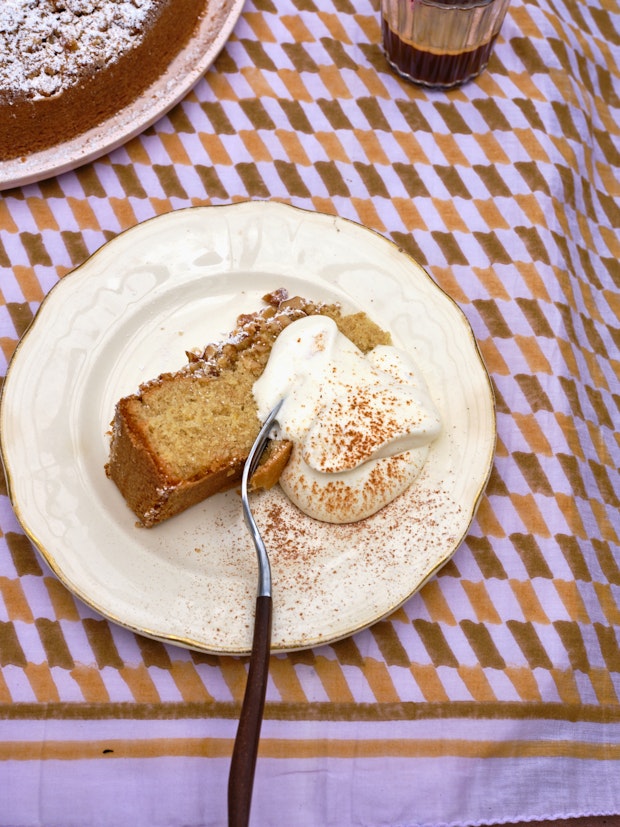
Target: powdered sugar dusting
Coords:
[[46, 45]]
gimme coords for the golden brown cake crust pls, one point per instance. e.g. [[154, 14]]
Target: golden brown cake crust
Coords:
[[184, 436], [31, 123]]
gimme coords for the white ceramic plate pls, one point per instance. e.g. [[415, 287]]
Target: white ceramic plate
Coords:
[[181, 75], [177, 282]]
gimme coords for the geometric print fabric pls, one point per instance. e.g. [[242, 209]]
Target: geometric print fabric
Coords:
[[511, 210], [507, 191]]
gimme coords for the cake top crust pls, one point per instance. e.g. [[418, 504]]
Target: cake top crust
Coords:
[[48, 45]]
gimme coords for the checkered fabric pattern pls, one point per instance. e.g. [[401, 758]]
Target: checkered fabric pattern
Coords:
[[494, 693]]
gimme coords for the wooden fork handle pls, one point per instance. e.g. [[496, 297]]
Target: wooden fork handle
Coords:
[[241, 777]]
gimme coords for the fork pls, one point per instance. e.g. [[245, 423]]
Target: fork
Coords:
[[243, 763]]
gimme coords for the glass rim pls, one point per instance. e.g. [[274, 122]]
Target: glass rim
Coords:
[[452, 5]]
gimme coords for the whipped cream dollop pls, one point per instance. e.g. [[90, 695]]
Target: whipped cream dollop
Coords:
[[361, 424]]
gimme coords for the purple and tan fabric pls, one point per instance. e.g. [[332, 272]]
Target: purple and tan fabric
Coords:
[[493, 695]]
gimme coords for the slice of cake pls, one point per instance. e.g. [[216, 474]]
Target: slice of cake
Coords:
[[68, 65], [184, 436]]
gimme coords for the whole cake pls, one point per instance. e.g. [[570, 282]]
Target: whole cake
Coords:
[[184, 436], [68, 65]]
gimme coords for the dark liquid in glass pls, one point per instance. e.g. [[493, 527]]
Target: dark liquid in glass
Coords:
[[433, 68]]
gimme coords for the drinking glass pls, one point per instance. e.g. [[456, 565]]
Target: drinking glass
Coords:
[[440, 43]]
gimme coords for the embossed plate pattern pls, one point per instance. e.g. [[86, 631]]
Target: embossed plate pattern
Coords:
[[129, 313]]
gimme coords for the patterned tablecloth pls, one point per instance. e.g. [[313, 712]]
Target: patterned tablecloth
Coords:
[[493, 694]]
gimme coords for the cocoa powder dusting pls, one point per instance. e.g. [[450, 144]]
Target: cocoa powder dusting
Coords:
[[324, 568]]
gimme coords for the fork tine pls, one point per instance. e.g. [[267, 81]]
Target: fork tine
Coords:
[[260, 443]]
